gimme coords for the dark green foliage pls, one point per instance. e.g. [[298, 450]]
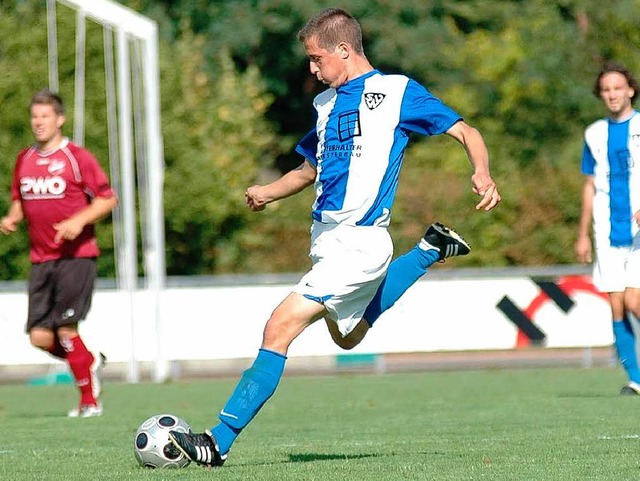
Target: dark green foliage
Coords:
[[23, 61], [236, 96]]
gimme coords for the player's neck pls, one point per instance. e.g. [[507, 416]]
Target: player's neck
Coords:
[[359, 68], [52, 144]]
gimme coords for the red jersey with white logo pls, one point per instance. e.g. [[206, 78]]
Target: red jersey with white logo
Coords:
[[52, 187]]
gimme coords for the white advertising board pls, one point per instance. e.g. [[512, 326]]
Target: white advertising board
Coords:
[[226, 322]]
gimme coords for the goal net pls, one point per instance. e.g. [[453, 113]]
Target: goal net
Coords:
[[135, 143]]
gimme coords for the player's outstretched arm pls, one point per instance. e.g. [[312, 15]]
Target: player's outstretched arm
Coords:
[[9, 223], [482, 183], [258, 196]]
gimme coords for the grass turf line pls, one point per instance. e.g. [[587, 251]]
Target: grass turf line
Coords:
[[537, 424]]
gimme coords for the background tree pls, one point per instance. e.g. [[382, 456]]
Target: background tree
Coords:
[[217, 142], [237, 93]]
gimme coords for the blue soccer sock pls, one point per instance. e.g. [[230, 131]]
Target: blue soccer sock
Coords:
[[403, 272], [625, 343], [256, 386]]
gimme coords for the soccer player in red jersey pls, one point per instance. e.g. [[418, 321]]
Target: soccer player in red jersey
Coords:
[[60, 190]]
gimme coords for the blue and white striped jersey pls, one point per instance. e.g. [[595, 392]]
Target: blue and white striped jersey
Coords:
[[358, 144], [612, 155]]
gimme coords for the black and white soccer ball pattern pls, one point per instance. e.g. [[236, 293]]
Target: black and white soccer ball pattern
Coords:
[[152, 446]]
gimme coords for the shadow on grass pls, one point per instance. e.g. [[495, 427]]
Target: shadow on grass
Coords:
[[310, 457], [586, 395]]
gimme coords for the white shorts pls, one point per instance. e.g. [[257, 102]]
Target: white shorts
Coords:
[[349, 263], [617, 268]]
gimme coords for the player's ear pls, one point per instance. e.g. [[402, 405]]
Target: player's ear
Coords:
[[60, 121], [343, 50]]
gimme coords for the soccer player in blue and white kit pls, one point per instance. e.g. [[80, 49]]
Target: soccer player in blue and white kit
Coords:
[[611, 203], [353, 158]]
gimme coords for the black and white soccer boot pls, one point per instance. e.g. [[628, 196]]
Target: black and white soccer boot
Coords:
[[631, 389], [200, 448], [447, 241]]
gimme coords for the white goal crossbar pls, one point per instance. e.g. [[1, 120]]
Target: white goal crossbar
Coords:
[[116, 15], [138, 35]]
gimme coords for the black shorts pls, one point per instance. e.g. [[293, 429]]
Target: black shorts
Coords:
[[60, 292]]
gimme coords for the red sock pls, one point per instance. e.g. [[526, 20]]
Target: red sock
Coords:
[[80, 360]]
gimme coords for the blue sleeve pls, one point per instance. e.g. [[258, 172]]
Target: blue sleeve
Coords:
[[588, 162], [308, 147], [425, 114]]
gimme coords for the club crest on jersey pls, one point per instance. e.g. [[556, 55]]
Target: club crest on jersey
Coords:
[[56, 167], [373, 100]]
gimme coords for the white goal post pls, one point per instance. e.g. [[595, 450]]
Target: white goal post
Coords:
[[135, 145]]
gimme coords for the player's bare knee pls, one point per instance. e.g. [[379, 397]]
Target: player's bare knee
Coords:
[[67, 332], [41, 339], [278, 335], [354, 337], [346, 343], [351, 340], [631, 304]]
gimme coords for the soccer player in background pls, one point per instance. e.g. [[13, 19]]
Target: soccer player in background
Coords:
[[611, 203], [60, 190], [353, 157]]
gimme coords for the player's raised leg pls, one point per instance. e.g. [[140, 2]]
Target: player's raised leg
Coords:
[[437, 244]]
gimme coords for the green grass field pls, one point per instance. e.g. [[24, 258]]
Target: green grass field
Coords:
[[530, 424]]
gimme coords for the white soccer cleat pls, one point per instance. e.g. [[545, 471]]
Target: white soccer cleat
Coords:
[[99, 361], [87, 411]]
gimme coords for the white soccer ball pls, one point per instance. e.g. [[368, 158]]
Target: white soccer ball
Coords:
[[152, 446]]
